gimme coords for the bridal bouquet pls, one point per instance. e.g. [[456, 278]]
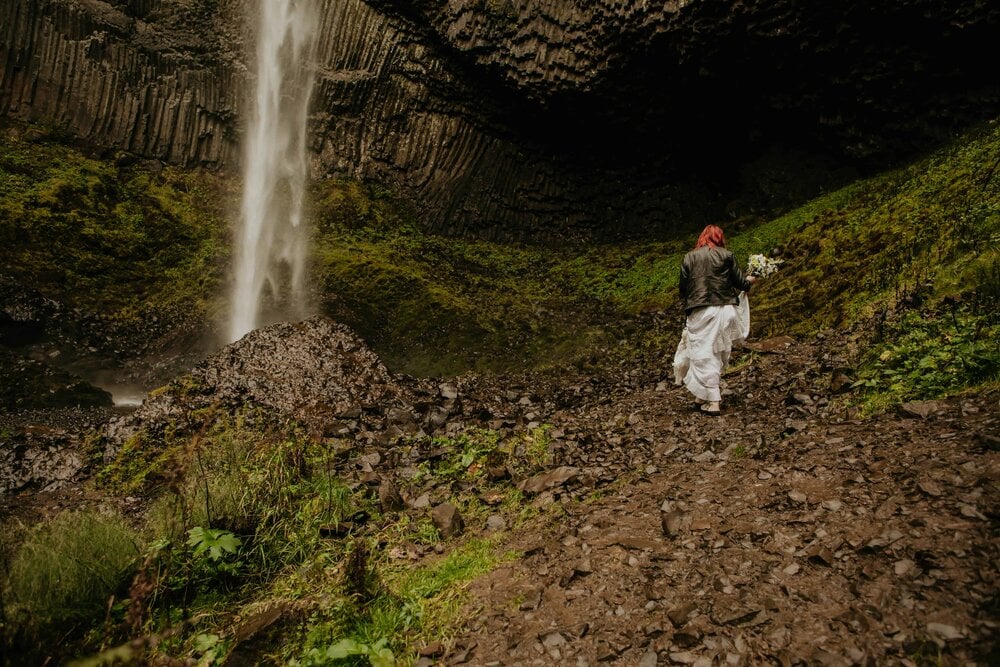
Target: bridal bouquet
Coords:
[[761, 266]]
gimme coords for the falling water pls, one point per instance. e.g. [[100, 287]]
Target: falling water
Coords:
[[271, 255]]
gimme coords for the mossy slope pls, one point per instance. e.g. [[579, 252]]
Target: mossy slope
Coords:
[[137, 247], [432, 305], [932, 227], [923, 233]]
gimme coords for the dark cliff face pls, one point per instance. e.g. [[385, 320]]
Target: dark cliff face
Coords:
[[531, 117], [155, 82]]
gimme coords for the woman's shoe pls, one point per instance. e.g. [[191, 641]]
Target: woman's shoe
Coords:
[[711, 408]]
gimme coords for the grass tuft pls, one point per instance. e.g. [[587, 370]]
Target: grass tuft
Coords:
[[65, 570]]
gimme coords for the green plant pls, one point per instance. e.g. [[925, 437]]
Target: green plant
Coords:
[[377, 654], [406, 603], [536, 445], [467, 456], [215, 547], [65, 570], [211, 647], [425, 532], [929, 354]]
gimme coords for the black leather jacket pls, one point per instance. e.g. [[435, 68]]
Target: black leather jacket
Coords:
[[710, 277]]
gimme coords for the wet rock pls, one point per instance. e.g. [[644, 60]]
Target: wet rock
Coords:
[[683, 658], [46, 467], [819, 555], [548, 480], [531, 600], [389, 497], [794, 425], [324, 367], [825, 658], [649, 659], [432, 650], [680, 613], [437, 417], [774, 345], [840, 381], [495, 523], [988, 441], [498, 473], [797, 496], [929, 487], [921, 409], [400, 416], [448, 520], [671, 522], [733, 613], [583, 568]]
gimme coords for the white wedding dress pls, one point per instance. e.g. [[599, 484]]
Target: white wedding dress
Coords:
[[706, 344]]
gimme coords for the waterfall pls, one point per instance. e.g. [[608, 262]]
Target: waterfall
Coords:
[[272, 247]]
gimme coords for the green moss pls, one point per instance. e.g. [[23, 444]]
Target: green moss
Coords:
[[934, 225], [433, 305], [133, 245], [142, 458]]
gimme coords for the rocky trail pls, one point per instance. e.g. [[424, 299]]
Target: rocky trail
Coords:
[[783, 532], [788, 530]]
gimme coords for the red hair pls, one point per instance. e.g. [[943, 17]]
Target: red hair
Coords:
[[712, 237]]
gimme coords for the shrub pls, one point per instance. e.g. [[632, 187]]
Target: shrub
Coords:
[[930, 354]]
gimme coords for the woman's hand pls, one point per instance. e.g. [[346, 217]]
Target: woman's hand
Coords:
[[751, 279]]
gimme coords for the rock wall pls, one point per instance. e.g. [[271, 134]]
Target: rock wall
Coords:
[[118, 80], [856, 73], [528, 118], [393, 103]]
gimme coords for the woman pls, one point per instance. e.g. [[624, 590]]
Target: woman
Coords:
[[710, 285]]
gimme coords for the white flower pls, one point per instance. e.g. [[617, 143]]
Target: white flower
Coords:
[[761, 266]]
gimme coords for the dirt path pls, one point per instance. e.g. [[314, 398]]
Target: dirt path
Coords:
[[787, 531], [783, 532]]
